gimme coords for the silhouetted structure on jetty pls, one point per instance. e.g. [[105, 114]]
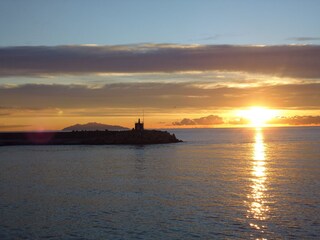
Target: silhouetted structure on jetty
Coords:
[[138, 126], [136, 136]]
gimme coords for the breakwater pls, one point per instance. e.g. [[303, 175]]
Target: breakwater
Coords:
[[87, 137]]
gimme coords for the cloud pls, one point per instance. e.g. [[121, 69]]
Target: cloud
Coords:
[[216, 120], [8, 127], [304, 39], [209, 120], [185, 121], [292, 61], [297, 120], [167, 96], [239, 121]]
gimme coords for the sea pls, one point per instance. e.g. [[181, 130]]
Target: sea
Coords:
[[231, 183]]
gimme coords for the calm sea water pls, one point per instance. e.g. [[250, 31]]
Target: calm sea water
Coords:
[[218, 184]]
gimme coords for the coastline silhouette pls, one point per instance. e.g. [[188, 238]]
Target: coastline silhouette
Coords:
[[137, 135]]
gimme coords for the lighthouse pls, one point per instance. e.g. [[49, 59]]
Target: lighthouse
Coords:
[[138, 126]]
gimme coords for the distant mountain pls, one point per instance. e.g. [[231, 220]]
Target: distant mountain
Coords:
[[93, 126]]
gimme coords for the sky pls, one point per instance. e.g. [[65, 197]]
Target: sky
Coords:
[[183, 63]]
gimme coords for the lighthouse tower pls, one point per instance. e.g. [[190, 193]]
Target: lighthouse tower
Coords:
[[138, 126]]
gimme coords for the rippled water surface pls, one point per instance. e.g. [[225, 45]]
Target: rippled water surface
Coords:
[[218, 184]]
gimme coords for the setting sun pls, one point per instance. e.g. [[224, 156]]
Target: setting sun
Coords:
[[258, 116]]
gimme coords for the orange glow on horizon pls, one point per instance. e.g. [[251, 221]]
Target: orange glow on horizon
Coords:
[[258, 116]]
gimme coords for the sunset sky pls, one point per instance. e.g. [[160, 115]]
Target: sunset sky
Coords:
[[182, 63]]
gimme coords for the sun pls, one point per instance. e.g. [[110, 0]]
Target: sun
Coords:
[[258, 116]]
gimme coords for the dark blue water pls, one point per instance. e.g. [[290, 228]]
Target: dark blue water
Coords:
[[218, 184]]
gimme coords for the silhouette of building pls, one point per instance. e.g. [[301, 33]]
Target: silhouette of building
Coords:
[[138, 126]]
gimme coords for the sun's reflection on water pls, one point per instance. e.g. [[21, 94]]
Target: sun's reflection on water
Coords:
[[258, 208]]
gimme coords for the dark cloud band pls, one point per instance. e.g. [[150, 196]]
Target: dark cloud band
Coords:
[[297, 120], [159, 95], [292, 61]]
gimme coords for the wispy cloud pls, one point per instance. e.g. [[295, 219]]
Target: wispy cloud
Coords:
[[292, 61], [304, 39], [159, 95], [9, 127]]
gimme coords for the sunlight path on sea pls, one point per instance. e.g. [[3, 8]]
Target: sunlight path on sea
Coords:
[[258, 207]]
